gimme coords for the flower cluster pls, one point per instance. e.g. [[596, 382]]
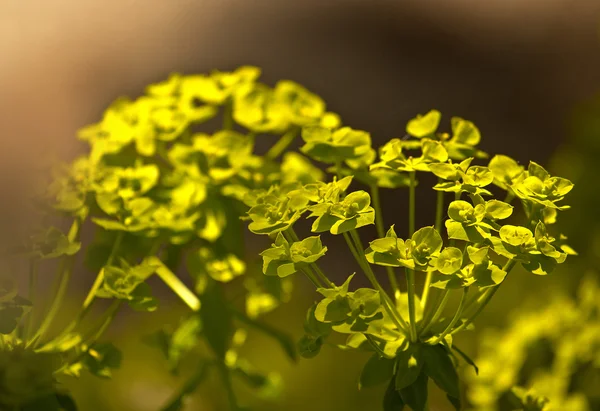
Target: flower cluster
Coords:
[[161, 189]]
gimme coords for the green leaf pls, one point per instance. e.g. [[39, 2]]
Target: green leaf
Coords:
[[100, 359], [424, 125], [309, 346], [515, 235], [391, 399], [408, 367], [376, 371], [333, 309], [216, 319], [440, 368], [467, 359], [456, 403], [416, 394], [445, 171], [478, 255]]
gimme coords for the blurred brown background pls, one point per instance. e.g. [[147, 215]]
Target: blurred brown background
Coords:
[[515, 68]]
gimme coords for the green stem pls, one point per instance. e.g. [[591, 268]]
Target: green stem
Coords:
[[373, 343], [411, 204], [456, 317], [379, 225], [65, 270], [486, 297], [89, 299], [97, 331], [439, 211], [410, 283], [228, 114], [410, 274], [509, 196], [190, 386], [283, 143], [388, 305], [312, 277], [438, 312], [91, 295], [33, 279], [64, 276], [321, 275], [104, 321], [226, 377], [175, 284]]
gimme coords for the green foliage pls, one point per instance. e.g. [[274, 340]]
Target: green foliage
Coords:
[[547, 359]]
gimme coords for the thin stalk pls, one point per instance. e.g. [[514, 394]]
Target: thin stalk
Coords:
[[33, 279], [410, 283], [485, 298], [228, 114], [456, 317], [312, 277], [439, 211], [98, 330], [379, 225], [373, 343], [509, 196], [226, 377], [410, 274], [321, 275], [356, 249], [65, 269], [176, 285], [89, 299], [281, 144], [91, 295], [190, 386], [338, 169], [64, 276], [438, 312], [428, 312], [411, 204], [104, 321]]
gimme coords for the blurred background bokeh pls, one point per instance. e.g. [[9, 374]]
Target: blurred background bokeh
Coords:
[[527, 73]]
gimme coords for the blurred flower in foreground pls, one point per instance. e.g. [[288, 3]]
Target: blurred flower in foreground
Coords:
[[547, 360]]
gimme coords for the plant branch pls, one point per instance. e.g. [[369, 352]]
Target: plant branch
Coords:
[[410, 274], [279, 147], [388, 305], [485, 298], [456, 317], [438, 312], [379, 225]]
